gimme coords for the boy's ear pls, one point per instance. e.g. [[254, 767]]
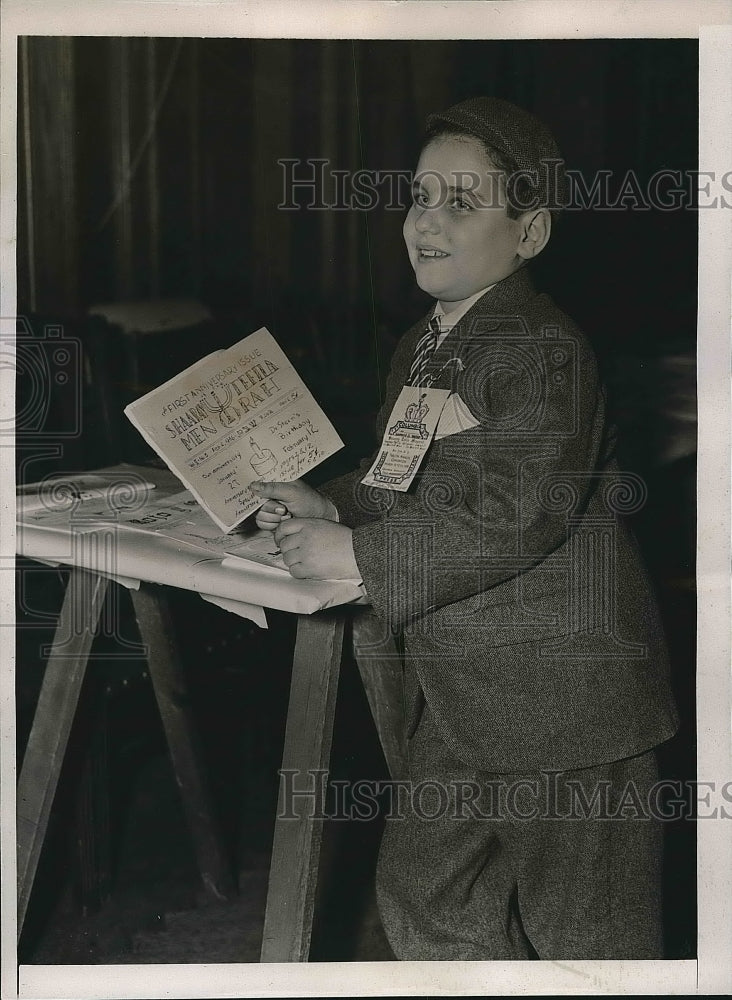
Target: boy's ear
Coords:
[[536, 228]]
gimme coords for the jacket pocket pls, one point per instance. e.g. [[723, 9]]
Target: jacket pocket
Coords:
[[479, 620]]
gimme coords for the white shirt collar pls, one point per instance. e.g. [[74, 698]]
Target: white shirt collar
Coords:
[[450, 319]]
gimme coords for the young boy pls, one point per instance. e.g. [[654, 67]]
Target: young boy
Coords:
[[535, 676]]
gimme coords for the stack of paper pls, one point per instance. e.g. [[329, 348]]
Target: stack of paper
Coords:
[[81, 501]]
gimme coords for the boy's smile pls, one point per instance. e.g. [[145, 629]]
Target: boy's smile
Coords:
[[458, 234]]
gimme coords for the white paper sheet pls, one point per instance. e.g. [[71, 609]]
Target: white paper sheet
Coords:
[[83, 500], [255, 613], [154, 558]]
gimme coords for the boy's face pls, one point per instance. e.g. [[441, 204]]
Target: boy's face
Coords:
[[457, 232]]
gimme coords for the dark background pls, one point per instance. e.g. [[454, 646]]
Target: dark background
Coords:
[[155, 171], [148, 170]]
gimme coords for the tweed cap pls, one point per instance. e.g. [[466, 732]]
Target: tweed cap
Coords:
[[519, 137]]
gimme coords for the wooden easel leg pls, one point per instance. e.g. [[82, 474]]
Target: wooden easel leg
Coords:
[[91, 847], [298, 829], [54, 715], [380, 666], [169, 683]]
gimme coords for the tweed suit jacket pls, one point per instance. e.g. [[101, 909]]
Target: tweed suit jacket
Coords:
[[528, 622]]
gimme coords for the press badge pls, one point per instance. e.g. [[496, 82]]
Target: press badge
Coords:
[[408, 435]]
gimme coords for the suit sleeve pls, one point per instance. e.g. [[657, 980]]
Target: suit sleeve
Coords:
[[490, 501]]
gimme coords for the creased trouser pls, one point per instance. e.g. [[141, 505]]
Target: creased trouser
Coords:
[[495, 877]]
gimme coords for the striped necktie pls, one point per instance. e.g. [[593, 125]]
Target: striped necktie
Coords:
[[426, 347]]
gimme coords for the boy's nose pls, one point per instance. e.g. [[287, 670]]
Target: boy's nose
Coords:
[[426, 221]]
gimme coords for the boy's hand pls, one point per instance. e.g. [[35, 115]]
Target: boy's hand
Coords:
[[296, 499], [315, 549]]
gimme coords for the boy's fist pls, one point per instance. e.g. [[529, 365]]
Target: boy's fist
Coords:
[[317, 549], [285, 499]]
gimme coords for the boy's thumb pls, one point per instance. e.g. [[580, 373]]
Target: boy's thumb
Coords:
[[273, 491]]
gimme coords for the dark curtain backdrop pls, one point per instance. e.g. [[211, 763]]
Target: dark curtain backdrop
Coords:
[[148, 168]]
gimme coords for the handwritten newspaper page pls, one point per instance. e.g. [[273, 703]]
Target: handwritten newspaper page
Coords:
[[234, 417]]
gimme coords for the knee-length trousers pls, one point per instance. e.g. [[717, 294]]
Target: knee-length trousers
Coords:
[[548, 865]]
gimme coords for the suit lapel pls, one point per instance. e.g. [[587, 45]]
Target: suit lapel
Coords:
[[504, 299]]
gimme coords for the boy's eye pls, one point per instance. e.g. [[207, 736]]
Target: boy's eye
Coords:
[[461, 205], [457, 203]]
